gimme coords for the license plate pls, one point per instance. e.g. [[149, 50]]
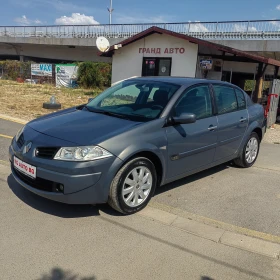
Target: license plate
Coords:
[[25, 168]]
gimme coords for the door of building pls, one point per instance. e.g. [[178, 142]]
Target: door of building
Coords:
[[156, 66]]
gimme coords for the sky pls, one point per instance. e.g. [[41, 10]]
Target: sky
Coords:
[[51, 12]]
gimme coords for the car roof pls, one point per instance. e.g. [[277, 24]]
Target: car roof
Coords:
[[178, 80]]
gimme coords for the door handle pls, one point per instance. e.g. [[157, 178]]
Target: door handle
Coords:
[[211, 128], [243, 120]]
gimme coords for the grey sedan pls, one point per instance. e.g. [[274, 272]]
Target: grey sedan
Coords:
[[140, 134]]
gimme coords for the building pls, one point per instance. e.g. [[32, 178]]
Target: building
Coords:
[[160, 52]]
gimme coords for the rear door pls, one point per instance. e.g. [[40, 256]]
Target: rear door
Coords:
[[191, 146], [232, 119]]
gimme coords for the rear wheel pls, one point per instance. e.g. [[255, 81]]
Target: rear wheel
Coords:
[[133, 186], [250, 152]]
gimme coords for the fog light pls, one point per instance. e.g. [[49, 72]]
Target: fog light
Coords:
[[60, 188]]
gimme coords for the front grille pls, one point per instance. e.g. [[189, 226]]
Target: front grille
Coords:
[[38, 183], [20, 141], [46, 152]]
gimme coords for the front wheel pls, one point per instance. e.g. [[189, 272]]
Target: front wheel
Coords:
[[133, 186], [250, 152]]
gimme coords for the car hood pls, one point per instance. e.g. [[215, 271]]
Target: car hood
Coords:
[[81, 127]]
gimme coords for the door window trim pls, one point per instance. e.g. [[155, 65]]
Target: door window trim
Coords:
[[245, 99]]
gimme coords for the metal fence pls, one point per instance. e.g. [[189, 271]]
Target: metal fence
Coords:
[[224, 30]]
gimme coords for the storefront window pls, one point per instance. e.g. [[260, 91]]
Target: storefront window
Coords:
[[156, 66]]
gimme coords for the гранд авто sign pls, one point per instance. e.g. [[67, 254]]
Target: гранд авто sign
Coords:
[[162, 50]]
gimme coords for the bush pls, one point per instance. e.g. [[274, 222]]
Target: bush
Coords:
[[92, 74], [13, 69]]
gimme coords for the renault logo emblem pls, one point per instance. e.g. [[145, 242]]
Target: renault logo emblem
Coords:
[[27, 148]]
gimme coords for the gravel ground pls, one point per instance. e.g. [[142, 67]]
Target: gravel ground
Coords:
[[272, 135]]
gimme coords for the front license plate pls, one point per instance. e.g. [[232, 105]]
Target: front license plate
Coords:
[[25, 168]]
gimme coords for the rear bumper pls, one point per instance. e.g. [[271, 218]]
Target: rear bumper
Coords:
[[264, 126]]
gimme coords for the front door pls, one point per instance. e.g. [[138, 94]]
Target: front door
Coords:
[[156, 66], [191, 146], [232, 119]]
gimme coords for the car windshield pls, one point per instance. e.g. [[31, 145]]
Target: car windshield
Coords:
[[135, 100]]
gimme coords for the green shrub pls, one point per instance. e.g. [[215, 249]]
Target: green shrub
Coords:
[[13, 69], [94, 74], [90, 74]]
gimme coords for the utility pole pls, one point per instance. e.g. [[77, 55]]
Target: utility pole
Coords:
[[110, 10]]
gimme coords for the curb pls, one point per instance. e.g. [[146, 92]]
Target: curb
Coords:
[[12, 119], [216, 234], [214, 223]]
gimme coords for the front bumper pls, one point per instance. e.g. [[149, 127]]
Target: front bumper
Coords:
[[83, 182], [90, 195]]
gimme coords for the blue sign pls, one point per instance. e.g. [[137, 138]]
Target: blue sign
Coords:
[[41, 70], [46, 67]]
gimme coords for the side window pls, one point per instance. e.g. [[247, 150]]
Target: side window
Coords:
[[225, 99], [249, 101], [196, 101], [240, 99]]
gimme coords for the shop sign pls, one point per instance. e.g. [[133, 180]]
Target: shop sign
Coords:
[[162, 50], [206, 64]]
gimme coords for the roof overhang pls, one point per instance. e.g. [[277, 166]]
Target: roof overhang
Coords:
[[157, 30]]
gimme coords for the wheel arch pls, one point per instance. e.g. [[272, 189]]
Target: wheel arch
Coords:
[[154, 157], [254, 127], [259, 132]]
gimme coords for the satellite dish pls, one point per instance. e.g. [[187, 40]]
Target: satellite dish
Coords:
[[102, 44]]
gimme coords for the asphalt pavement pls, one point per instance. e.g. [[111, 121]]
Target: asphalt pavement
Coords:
[[8, 129], [247, 198], [45, 240]]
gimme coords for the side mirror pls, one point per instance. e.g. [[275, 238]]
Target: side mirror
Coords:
[[184, 118], [90, 99]]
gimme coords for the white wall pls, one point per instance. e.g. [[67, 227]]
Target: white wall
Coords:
[[127, 61]]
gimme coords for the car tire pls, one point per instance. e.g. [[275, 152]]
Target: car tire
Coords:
[[249, 153], [133, 186]]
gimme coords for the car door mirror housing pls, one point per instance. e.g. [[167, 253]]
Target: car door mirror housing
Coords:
[[184, 118]]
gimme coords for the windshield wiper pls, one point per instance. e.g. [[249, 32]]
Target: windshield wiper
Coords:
[[85, 106], [107, 113]]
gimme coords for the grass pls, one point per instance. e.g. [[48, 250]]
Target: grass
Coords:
[[25, 101]]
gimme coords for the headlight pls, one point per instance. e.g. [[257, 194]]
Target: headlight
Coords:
[[81, 153], [19, 133]]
